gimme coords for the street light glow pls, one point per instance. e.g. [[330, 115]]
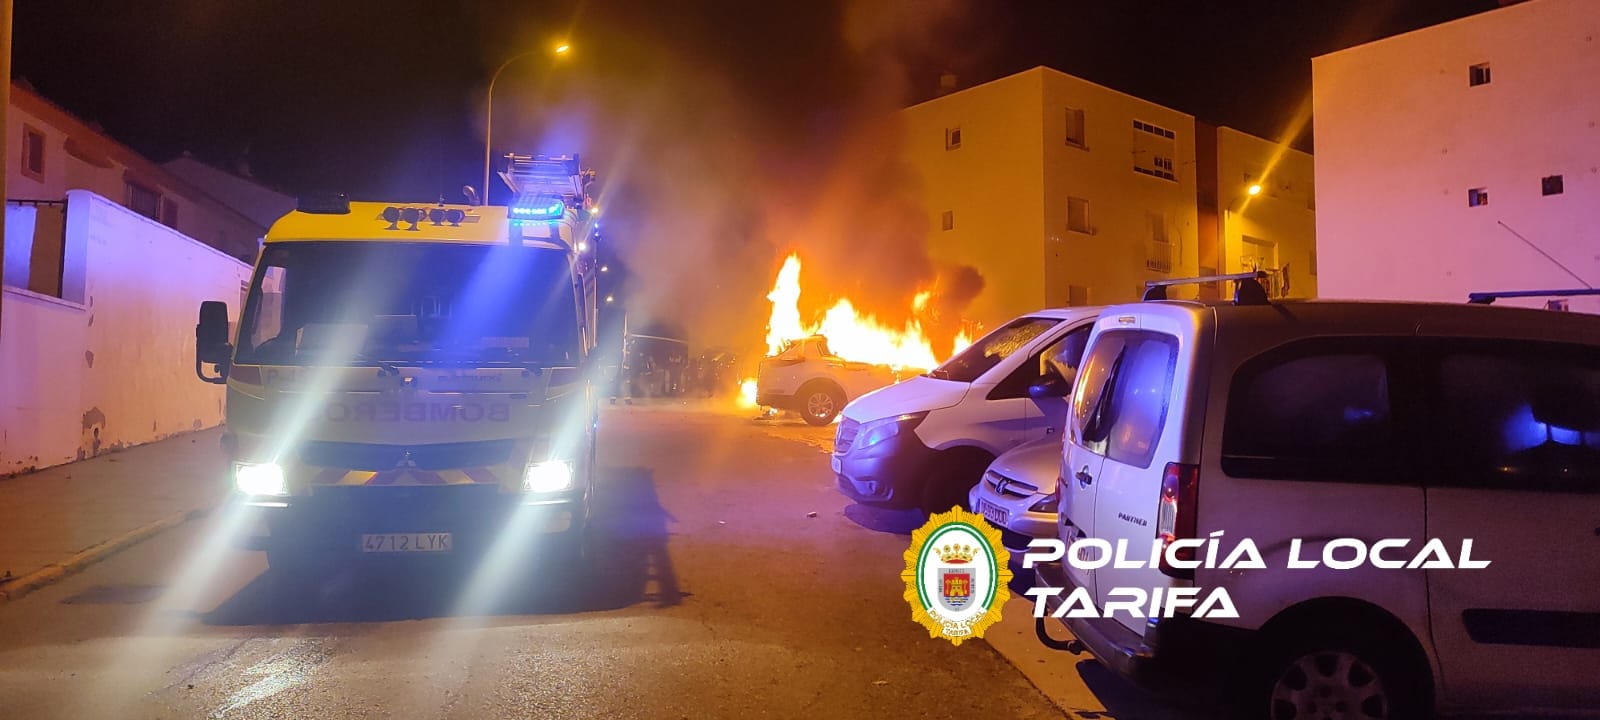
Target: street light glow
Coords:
[[610, 298], [1254, 189], [563, 48]]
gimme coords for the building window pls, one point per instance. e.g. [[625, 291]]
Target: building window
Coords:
[[952, 138], [144, 201], [1552, 185], [1075, 131], [1153, 150], [169, 213], [32, 152], [1477, 197], [1077, 295], [948, 220], [1160, 255], [1478, 74], [1078, 215]]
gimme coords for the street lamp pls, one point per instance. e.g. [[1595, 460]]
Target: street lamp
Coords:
[[488, 115]]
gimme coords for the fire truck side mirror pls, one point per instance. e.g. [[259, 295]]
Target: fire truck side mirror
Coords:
[[211, 340]]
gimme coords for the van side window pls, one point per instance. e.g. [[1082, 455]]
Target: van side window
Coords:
[[1062, 357], [1140, 392], [1520, 418], [1311, 417], [1088, 405], [1120, 403]]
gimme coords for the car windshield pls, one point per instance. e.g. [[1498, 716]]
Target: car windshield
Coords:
[[978, 358], [364, 303]]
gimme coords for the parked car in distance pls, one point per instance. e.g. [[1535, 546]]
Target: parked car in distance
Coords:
[[1018, 494], [925, 442], [1315, 421], [653, 366], [806, 378]]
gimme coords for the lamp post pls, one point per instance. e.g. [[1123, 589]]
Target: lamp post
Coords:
[[488, 115]]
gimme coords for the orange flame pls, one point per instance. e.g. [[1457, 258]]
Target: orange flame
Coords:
[[851, 335]]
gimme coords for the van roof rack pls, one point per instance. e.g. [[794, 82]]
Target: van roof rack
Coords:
[[1488, 298], [1248, 291]]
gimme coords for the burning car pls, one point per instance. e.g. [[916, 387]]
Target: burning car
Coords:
[[807, 378]]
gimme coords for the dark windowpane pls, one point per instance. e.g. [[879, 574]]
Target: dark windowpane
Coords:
[[1552, 185], [144, 201], [1308, 417], [33, 152], [1527, 419]]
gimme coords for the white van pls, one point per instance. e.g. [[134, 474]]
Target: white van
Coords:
[[1324, 426], [924, 442]]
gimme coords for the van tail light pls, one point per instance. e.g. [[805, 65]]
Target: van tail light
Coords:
[[1175, 518]]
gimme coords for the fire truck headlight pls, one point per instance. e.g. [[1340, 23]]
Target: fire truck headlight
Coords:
[[258, 480], [547, 477]]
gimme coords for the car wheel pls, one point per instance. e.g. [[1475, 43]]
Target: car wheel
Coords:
[[1336, 674], [822, 403]]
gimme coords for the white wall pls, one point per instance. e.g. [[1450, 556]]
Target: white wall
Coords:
[[121, 362], [1401, 136]]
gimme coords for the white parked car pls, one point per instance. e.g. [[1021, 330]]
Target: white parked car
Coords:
[[806, 378], [1018, 494], [924, 442], [1320, 421]]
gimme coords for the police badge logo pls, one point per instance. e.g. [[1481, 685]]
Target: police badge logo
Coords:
[[956, 575]]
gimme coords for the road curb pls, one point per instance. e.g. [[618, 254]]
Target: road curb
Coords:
[[48, 574]]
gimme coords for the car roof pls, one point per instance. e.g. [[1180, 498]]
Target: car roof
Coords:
[[1066, 313], [1293, 318]]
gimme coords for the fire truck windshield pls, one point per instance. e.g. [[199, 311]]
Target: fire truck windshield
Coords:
[[370, 303]]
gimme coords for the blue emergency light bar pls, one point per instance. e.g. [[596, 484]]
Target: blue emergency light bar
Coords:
[[537, 207]]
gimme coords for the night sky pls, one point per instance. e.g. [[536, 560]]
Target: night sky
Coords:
[[384, 97], [726, 134]]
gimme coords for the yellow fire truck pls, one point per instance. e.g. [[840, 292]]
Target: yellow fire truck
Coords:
[[413, 379]]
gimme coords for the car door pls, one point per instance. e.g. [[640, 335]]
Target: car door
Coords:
[[1083, 451], [1047, 416], [1517, 471], [1136, 451]]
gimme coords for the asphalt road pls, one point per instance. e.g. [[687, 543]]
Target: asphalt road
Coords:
[[721, 596]]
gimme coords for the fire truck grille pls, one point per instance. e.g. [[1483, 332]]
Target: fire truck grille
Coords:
[[446, 456]]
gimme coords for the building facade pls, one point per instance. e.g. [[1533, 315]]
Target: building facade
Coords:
[[1063, 192], [236, 189], [107, 258], [1463, 157]]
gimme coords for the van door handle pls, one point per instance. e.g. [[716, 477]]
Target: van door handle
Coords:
[[1084, 478]]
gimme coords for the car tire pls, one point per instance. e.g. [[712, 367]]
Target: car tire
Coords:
[[820, 403], [1334, 670]]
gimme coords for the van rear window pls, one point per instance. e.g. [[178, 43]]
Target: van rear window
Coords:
[[1121, 403]]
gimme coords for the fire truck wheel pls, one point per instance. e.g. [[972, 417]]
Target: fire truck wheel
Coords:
[[821, 402]]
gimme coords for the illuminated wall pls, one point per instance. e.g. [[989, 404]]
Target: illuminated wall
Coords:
[[988, 189], [1406, 129], [117, 368], [1276, 227], [1030, 145]]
